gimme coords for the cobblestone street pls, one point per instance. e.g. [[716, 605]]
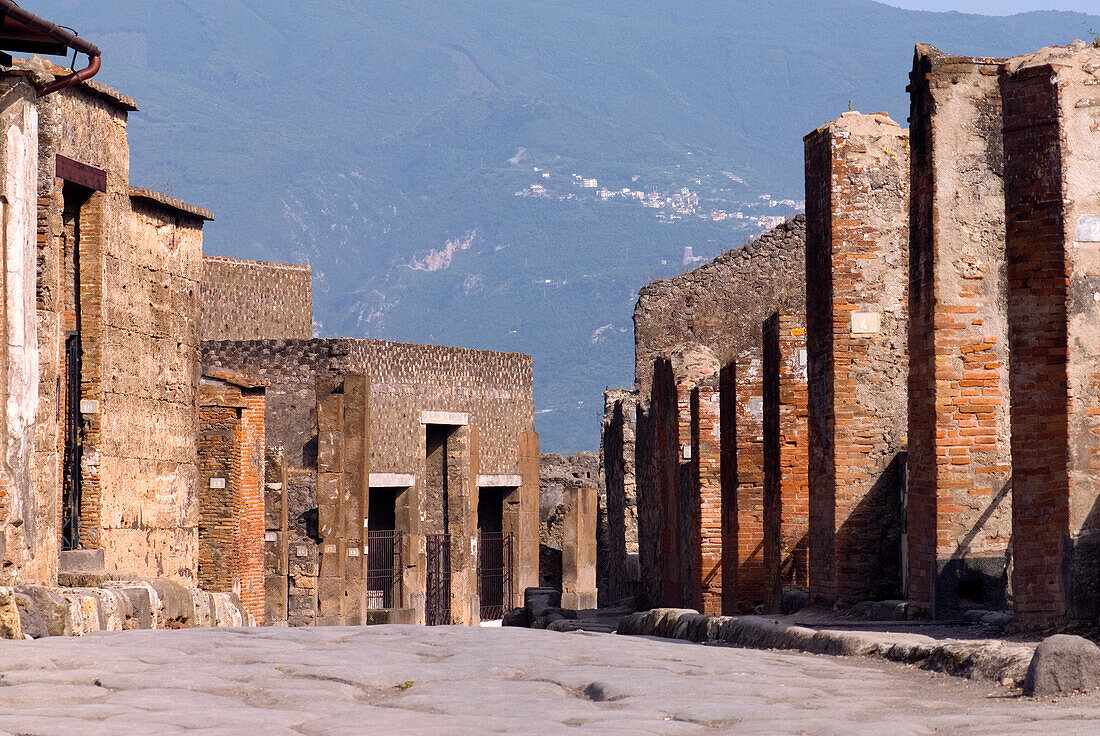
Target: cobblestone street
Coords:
[[440, 681]]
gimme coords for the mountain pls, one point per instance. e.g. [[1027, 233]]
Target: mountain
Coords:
[[429, 159]]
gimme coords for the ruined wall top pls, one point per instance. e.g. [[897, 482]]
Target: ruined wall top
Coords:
[[722, 304], [255, 300]]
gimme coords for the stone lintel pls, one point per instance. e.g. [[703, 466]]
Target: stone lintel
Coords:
[[499, 480], [392, 480], [452, 418]]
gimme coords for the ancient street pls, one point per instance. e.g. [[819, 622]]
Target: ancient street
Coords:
[[455, 680]]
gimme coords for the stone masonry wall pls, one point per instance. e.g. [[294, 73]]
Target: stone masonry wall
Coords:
[[493, 389], [959, 504], [857, 199], [786, 458], [722, 304], [255, 300], [1052, 198]]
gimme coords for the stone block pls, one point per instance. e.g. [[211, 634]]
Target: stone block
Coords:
[[1063, 664]]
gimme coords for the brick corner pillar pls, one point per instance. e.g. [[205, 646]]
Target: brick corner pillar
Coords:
[[706, 479], [1052, 197], [857, 215], [526, 555], [578, 547], [958, 514], [786, 456], [741, 413]]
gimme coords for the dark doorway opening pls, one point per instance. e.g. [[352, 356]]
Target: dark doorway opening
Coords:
[[494, 554], [69, 394], [383, 549]]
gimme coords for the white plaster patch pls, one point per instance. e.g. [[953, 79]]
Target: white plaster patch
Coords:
[[866, 323], [451, 418], [499, 481]]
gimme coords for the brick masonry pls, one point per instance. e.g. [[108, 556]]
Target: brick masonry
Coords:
[[786, 458], [1051, 129], [857, 199], [231, 491], [959, 503], [255, 300], [706, 497]]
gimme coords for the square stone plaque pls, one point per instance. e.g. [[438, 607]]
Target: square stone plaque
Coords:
[[1088, 229]]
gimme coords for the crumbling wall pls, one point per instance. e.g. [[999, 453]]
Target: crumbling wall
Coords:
[[556, 475], [857, 207], [722, 304], [959, 505], [255, 300], [1052, 198]]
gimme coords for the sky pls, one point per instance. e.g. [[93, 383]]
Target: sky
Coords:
[[998, 7]]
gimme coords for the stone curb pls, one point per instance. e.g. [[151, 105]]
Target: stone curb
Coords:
[[35, 611], [979, 659]]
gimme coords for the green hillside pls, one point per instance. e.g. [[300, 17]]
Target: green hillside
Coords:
[[364, 138]]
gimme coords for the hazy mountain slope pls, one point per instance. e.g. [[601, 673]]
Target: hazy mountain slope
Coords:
[[386, 143]]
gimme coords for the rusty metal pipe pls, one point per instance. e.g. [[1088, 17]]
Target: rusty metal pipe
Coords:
[[54, 31], [61, 83]]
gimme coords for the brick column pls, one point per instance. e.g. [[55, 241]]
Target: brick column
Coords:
[[578, 548], [1052, 193], [330, 518], [857, 199], [786, 456], [706, 479], [959, 517], [658, 483], [742, 467]]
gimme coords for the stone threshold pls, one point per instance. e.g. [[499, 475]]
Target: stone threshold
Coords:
[[36, 611], [1002, 662]]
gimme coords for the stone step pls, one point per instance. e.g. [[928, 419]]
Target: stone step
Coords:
[[80, 560]]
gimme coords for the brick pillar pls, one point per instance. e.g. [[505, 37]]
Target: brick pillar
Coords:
[[742, 470], [959, 508], [706, 479], [526, 553], [355, 488], [617, 463], [1052, 193], [462, 498], [786, 456], [857, 200]]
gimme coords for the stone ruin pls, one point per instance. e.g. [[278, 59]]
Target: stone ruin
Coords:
[[903, 397]]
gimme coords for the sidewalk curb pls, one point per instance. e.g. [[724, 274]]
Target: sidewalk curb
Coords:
[[980, 659]]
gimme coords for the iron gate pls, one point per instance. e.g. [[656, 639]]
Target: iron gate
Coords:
[[438, 595], [384, 569], [70, 504], [494, 574]]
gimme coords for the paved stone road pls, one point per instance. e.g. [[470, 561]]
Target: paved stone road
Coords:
[[442, 681]]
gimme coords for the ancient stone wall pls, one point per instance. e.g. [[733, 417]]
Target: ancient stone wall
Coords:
[[121, 268], [28, 540], [857, 206], [746, 554], [483, 401], [786, 458], [619, 480], [556, 475], [1052, 194], [255, 300], [657, 458], [959, 505], [722, 304]]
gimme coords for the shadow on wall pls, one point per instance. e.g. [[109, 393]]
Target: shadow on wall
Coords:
[[875, 526]]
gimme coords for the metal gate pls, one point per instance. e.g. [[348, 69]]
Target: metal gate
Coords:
[[384, 569], [70, 502], [494, 574], [438, 595]]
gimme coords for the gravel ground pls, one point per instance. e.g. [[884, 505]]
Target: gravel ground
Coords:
[[452, 680]]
